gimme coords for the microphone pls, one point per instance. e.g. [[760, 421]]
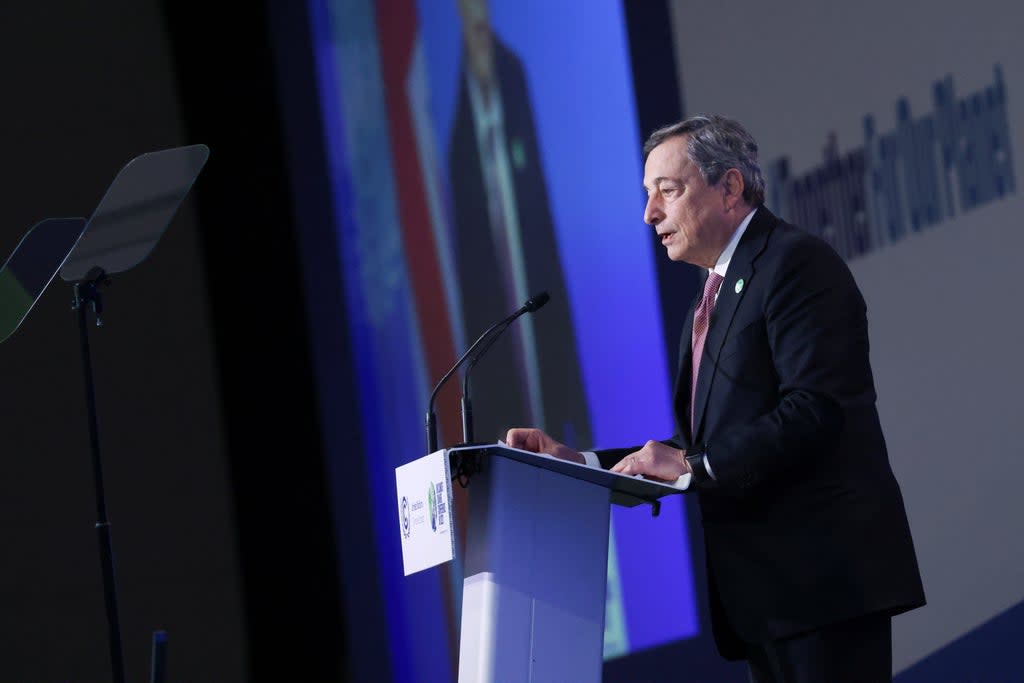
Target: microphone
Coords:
[[530, 306], [484, 341]]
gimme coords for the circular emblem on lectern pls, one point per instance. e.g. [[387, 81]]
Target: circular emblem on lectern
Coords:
[[432, 506], [406, 519]]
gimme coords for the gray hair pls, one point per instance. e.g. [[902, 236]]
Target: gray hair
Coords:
[[715, 144]]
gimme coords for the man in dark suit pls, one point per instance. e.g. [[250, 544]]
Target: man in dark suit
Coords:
[[808, 547], [505, 245]]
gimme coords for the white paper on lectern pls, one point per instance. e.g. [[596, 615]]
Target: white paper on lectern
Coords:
[[682, 483], [425, 512]]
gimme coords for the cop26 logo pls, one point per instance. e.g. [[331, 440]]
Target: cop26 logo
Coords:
[[432, 505]]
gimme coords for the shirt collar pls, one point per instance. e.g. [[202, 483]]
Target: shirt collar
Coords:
[[723, 261], [485, 114]]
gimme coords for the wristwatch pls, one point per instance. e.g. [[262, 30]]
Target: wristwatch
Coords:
[[698, 466]]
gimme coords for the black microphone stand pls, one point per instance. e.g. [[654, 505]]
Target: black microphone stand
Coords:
[[465, 467], [431, 421], [466, 404], [467, 464], [530, 306]]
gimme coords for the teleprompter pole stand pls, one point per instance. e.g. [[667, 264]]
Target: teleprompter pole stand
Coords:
[[88, 295], [128, 222]]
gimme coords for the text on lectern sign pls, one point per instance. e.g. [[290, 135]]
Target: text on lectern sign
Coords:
[[425, 512]]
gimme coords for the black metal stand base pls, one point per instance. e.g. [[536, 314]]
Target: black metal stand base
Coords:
[[88, 295]]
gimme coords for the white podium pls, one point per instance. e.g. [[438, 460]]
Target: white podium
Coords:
[[536, 564]]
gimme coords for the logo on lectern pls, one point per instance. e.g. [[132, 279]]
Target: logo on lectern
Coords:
[[406, 518], [432, 505]]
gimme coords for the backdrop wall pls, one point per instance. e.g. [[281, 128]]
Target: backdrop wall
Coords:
[[896, 131]]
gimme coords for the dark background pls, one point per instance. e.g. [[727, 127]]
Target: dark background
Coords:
[[206, 409]]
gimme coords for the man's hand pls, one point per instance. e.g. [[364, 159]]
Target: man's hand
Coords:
[[536, 441], [655, 461]]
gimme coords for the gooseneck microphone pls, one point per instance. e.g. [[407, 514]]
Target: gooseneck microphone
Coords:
[[467, 408], [483, 343]]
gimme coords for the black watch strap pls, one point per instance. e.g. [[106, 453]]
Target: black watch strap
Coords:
[[698, 467]]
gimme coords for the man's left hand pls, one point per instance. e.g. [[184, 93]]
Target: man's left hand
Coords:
[[655, 461]]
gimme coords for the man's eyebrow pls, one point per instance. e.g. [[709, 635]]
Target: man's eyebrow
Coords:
[[659, 180]]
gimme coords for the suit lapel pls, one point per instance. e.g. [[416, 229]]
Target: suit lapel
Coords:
[[681, 393], [736, 285]]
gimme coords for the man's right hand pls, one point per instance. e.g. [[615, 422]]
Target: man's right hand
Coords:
[[536, 441]]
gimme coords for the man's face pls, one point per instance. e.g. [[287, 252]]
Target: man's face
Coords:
[[690, 217], [476, 33]]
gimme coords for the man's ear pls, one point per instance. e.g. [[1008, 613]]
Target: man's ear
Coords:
[[732, 188]]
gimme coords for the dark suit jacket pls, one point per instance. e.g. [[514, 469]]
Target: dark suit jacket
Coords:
[[500, 395], [804, 525]]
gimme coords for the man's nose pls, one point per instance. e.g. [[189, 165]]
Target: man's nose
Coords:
[[652, 212]]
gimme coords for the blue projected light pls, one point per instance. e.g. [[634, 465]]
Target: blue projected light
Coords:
[[383, 327], [576, 69]]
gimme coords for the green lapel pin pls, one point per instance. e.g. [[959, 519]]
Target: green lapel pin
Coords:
[[518, 154], [739, 285]]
